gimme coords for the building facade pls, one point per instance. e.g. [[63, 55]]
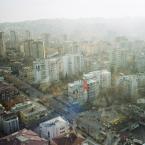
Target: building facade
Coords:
[[7, 92], [32, 114], [46, 70], [102, 78], [2, 45], [72, 64], [10, 123], [28, 48], [54, 128], [128, 84], [38, 50], [23, 137], [76, 92]]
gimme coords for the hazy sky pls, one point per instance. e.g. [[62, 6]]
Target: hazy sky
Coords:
[[19, 10]]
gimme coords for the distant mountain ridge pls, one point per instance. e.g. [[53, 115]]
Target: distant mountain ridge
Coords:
[[85, 28]]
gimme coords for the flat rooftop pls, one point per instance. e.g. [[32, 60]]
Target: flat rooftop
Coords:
[[53, 121], [34, 108]]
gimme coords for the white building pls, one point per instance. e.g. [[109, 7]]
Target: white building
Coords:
[[105, 79], [46, 70], [76, 92], [91, 89], [54, 128], [72, 64], [102, 77], [95, 82]]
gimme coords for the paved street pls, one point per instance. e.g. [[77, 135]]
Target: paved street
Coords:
[[65, 108]]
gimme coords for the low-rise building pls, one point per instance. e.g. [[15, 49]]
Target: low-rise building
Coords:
[[140, 62], [21, 106], [89, 124], [27, 73], [10, 122], [54, 128], [33, 114], [23, 137], [69, 139]]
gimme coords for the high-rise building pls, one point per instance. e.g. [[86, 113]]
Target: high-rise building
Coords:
[[72, 64], [95, 82], [34, 49], [46, 70], [140, 62], [71, 47], [105, 79], [76, 92], [128, 84], [13, 39], [119, 53], [28, 48], [90, 89], [27, 35], [38, 50], [102, 77], [46, 38], [2, 45]]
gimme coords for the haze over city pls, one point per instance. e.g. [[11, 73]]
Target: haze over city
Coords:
[[72, 72], [20, 10]]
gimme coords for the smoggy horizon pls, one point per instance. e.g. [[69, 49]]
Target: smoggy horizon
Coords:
[[20, 10]]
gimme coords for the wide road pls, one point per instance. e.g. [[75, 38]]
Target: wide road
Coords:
[[63, 107]]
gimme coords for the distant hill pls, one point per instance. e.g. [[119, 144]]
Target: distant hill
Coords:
[[92, 28]]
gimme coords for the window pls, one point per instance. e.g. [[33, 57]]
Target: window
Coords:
[[62, 128], [62, 132]]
